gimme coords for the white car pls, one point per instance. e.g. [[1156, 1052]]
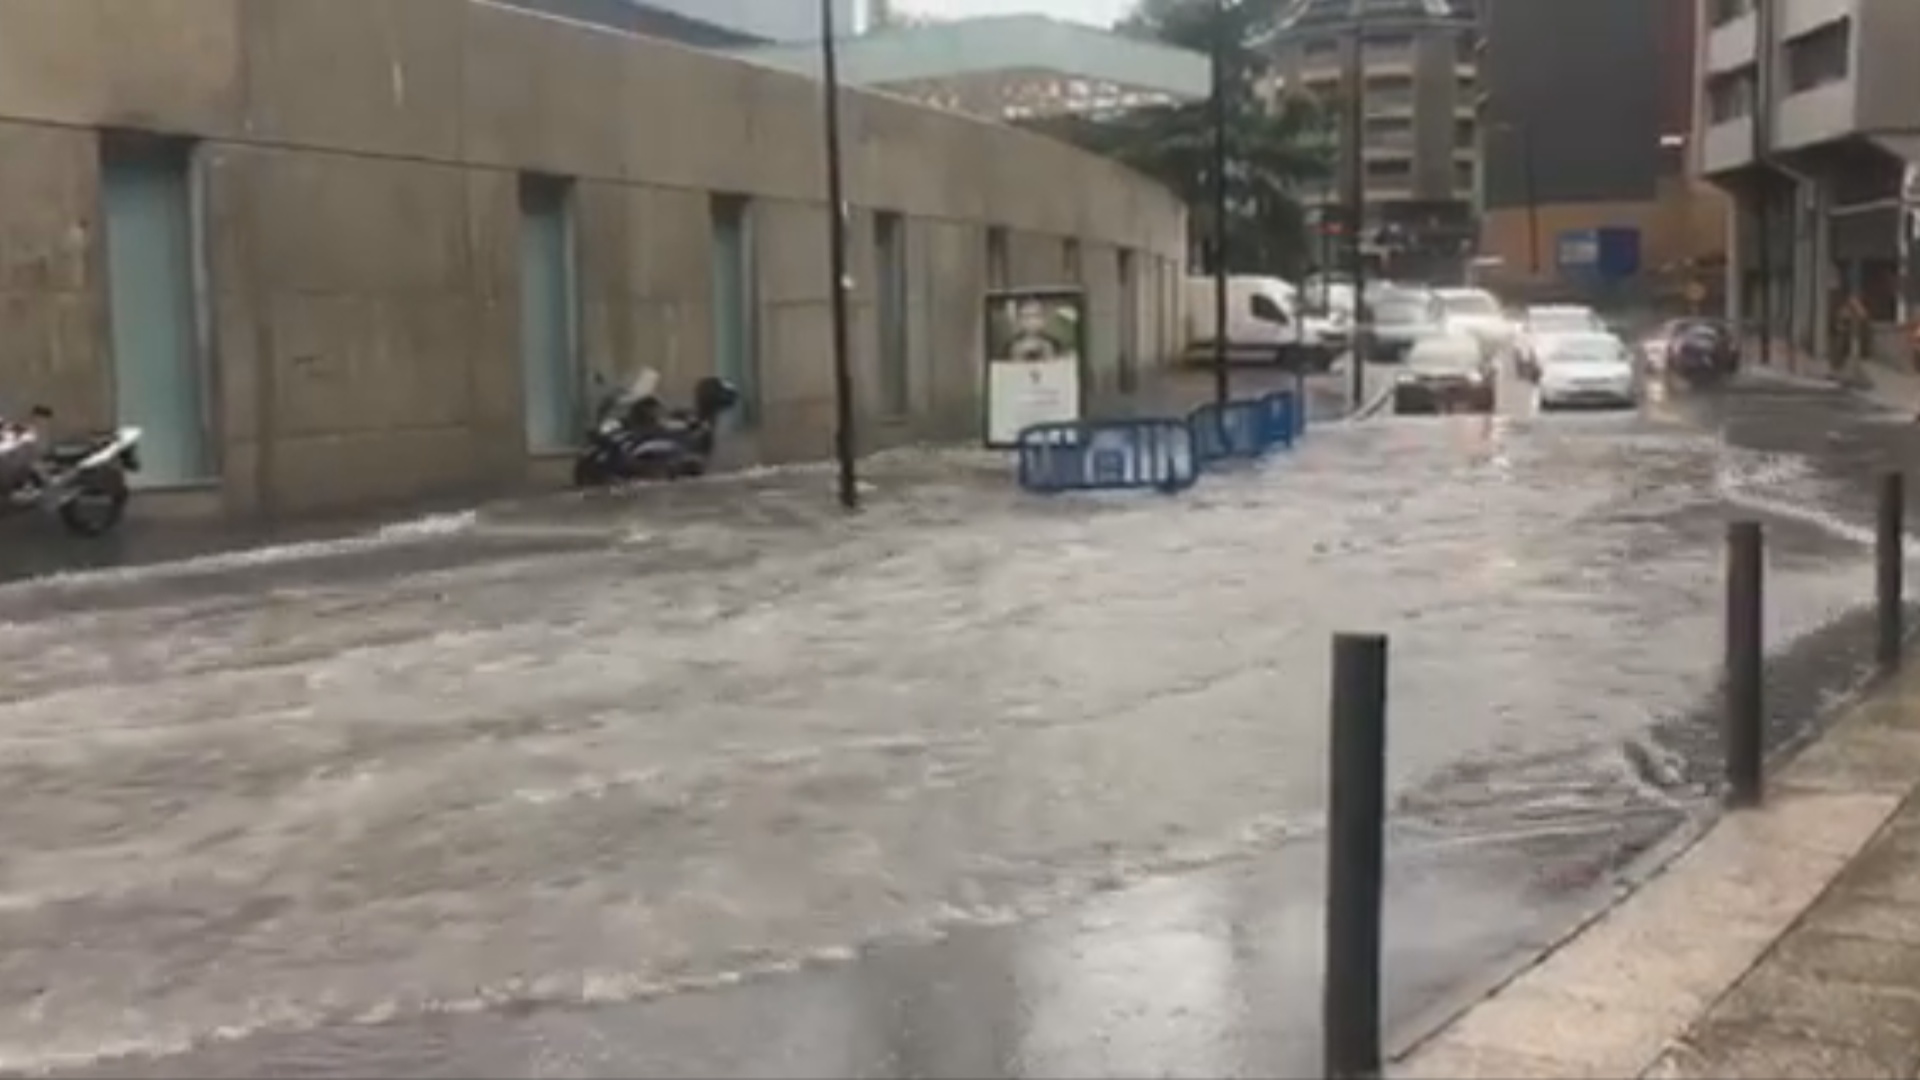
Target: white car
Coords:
[[1477, 312], [1543, 323], [1591, 368]]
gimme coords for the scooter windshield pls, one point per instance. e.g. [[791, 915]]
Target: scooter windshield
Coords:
[[645, 382]]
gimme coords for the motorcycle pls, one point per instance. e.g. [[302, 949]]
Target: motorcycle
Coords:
[[636, 437], [84, 483]]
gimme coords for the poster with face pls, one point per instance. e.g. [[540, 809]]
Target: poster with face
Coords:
[[1034, 346]]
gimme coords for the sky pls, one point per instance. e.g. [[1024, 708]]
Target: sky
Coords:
[[1097, 12]]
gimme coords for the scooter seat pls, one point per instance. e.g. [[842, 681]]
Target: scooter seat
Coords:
[[69, 453]]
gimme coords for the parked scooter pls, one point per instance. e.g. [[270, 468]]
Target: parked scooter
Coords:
[[84, 483], [636, 437]]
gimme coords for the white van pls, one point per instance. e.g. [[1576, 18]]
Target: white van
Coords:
[[1265, 325]]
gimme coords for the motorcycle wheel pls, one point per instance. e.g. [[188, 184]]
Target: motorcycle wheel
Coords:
[[589, 473], [99, 502]]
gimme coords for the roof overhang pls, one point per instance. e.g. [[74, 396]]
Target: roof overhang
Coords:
[[1008, 67]]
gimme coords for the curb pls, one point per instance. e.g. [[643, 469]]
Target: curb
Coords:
[[1408, 1038]]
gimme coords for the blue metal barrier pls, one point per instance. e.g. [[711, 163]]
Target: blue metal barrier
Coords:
[[1108, 455], [1286, 417], [1236, 429]]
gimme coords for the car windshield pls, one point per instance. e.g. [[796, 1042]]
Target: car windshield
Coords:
[[1695, 328], [1560, 322], [1401, 309], [1446, 354], [1469, 303], [1585, 350]]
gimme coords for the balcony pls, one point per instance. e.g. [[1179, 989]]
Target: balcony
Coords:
[[1726, 146], [1731, 45], [1814, 116]]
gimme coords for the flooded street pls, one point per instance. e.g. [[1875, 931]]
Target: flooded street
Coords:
[[715, 781]]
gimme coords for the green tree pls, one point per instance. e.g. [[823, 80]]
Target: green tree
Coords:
[[1275, 144]]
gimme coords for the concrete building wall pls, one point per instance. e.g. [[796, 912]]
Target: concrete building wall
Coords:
[[359, 167], [1589, 149]]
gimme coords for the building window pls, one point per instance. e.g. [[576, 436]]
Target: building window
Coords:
[[1389, 42], [1466, 134], [1821, 57], [736, 306], [1070, 261], [154, 213], [1463, 176], [890, 300], [549, 314], [1390, 172], [1129, 360], [1394, 131], [1725, 11], [1730, 96], [1388, 93], [1321, 49]]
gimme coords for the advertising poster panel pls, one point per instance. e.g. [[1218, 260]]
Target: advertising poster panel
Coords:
[[1036, 339]]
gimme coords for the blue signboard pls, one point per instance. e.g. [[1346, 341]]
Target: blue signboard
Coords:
[[1609, 253], [1578, 250]]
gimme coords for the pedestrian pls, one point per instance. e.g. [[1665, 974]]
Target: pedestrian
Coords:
[[1853, 323], [1913, 349]]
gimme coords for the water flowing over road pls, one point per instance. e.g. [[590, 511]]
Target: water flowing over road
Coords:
[[714, 781]]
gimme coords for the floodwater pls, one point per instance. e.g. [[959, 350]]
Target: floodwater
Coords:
[[714, 780]]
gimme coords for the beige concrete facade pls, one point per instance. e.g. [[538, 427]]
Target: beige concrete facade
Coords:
[[357, 168]]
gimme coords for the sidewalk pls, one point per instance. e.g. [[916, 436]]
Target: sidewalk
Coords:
[[1886, 382], [1785, 943]]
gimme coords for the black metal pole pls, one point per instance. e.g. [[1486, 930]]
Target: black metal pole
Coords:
[[1532, 181], [1222, 388], [1890, 568], [1763, 181], [1746, 612], [1357, 213], [1356, 858], [843, 436]]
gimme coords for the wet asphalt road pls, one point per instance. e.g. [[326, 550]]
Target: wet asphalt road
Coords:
[[714, 781]]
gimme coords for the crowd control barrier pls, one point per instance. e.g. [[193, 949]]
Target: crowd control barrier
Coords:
[[1245, 428], [1108, 455]]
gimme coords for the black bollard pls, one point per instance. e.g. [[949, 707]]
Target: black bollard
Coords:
[[1356, 858], [1746, 611], [1890, 568]]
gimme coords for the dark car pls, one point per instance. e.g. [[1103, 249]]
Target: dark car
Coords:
[[1701, 350], [1398, 318], [1447, 373]]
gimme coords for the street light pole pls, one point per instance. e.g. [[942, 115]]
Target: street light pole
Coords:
[[1222, 389], [843, 436], [1357, 208], [1763, 180], [1531, 178]]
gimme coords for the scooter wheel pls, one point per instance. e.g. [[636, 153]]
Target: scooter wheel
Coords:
[[99, 502], [587, 473]]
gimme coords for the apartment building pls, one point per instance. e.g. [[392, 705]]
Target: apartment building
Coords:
[[1809, 116], [1419, 67]]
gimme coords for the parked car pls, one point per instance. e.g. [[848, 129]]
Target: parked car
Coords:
[[1700, 350], [1541, 324], [1591, 368], [1401, 316], [1448, 372], [1478, 312]]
